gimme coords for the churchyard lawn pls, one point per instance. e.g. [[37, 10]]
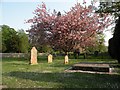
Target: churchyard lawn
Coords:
[[18, 73]]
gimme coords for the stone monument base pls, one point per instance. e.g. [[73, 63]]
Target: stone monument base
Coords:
[[91, 68]]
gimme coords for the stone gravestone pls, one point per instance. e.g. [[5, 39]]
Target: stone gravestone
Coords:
[[66, 59], [50, 58], [33, 59]]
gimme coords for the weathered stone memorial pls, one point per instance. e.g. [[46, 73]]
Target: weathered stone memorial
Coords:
[[33, 59], [50, 57], [66, 59], [100, 68], [91, 67]]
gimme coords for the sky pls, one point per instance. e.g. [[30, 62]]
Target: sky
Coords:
[[14, 12]]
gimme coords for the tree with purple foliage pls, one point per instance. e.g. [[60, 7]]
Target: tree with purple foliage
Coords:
[[75, 29]]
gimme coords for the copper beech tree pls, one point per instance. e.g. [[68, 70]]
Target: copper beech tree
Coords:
[[74, 29]]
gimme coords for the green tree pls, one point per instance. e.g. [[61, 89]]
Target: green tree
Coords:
[[0, 40], [10, 39], [45, 49], [110, 7], [23, 41], [114, 43], [99, 45], [13, 41]]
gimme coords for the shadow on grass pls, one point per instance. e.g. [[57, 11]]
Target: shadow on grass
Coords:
[[71, 80]]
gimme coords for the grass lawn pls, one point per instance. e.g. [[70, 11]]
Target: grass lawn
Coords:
[[17, 73]]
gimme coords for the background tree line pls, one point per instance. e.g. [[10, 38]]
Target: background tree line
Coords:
[[13, 41]]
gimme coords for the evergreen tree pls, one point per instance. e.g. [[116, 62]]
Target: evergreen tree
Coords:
[[114, 43]]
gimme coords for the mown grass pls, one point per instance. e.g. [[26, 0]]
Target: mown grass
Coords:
[[17, 73]]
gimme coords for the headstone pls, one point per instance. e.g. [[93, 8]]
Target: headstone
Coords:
[[50, 58], [33, 59], [66, 59]]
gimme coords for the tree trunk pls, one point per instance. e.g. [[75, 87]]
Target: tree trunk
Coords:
[[85, 55], [66, 53], [118, 61]]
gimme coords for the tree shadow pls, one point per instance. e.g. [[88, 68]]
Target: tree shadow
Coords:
[[70, 80]]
